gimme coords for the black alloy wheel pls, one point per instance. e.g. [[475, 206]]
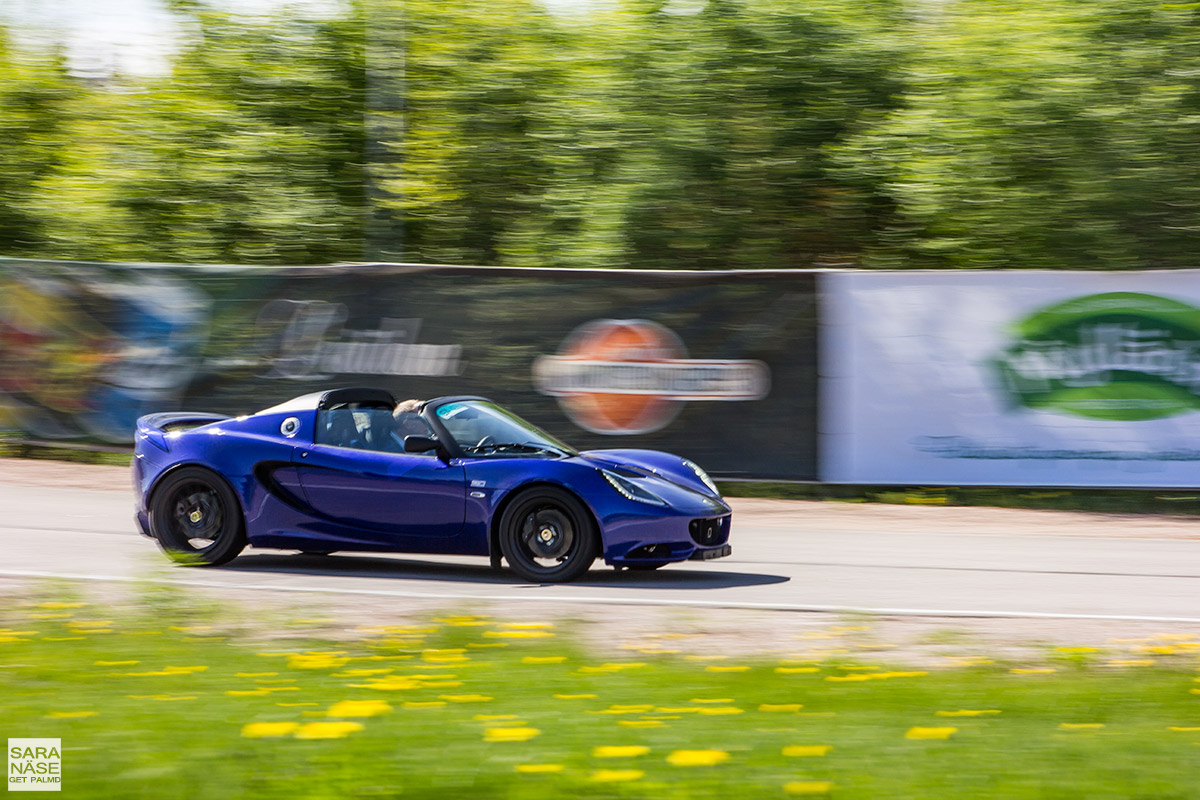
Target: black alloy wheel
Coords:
[[547, 536], [196, 518]]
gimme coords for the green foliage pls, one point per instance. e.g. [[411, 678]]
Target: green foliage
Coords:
[[1043, 135], [645, 133]]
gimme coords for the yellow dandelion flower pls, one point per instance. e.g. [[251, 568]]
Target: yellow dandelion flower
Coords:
[[163, 697], [316, 661], [115, 663], [247, 692], [1033, 671], [620, 751], [466, 698], [719, 710], [614, 667], [697, 758], [519, 734], [854, 678], [256, 674], [44, 639], [543, 659], [575, 697], [296, 705], [59, 605], [518, 634], [358, 708], [711, 700], [780, 707], [1080, 726], [263, 730], [444, 656], [640, 723], [808, 787], [534, 769], [327, 730], [967, 712], [796, 670], [731, 668], [930, 733], [391, 684], [1183, 729], [806, 750], [70, 714], [424, 703], [617, 775], [680, 710], [1131, 662]]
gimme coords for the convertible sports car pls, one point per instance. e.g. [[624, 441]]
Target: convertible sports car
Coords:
[[339, 470]]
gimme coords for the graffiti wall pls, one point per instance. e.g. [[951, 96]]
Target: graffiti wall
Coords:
[[718, 367]]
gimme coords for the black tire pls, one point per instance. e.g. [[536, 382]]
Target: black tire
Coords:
[[548, 536], [196, 518]]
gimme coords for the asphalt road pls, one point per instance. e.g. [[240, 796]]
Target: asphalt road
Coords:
[[780, 561]]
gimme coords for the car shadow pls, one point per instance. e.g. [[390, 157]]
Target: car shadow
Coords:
[[388, 568]]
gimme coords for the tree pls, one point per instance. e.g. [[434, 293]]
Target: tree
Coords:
[[1055, 136]]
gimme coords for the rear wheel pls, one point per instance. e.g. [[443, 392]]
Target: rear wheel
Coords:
[[196, 518], [548, 536]]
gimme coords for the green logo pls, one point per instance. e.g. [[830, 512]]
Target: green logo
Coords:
[[1116, 356]]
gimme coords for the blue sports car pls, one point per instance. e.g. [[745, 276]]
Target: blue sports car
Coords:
[[350, 469]]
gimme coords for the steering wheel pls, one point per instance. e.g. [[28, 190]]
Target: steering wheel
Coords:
[[485, 441]]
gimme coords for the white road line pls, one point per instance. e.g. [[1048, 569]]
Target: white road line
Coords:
[[602, 599]]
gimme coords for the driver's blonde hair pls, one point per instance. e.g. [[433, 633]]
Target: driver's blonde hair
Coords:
[[407, 407]]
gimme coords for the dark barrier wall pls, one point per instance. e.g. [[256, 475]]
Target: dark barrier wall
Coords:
[[719, 367]]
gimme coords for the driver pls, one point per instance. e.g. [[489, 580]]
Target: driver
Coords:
[[408, 422]]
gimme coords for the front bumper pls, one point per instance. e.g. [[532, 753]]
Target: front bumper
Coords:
[[709, 553], [670, 540]]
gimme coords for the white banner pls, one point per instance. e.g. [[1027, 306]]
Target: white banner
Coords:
[[1011, 378]]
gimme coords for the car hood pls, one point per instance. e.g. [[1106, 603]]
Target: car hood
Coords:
[[662, 473]]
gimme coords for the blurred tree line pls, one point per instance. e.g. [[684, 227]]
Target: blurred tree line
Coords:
[[648, 134]]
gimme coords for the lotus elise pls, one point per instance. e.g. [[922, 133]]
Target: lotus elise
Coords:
[[349, 470]]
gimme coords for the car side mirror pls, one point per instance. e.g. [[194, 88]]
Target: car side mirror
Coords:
[[420, 444]]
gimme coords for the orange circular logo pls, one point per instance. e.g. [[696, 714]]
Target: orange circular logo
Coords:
[[633, 376]]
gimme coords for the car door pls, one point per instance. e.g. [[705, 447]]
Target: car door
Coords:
[[391, 494]]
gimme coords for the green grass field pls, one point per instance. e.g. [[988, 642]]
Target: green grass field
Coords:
[[165, 702]]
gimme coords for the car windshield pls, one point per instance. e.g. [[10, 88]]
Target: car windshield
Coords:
[[484, 429]]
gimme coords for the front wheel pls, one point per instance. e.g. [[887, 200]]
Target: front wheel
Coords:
[[547, 536], [196, 518]]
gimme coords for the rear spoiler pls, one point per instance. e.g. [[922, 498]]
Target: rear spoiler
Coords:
[[155, 427]]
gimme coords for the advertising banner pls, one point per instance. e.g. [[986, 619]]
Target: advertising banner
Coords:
[[719, 367], [1011, 378]]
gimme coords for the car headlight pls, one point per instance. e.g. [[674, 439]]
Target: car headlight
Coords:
[[630, 490], [702, 475]]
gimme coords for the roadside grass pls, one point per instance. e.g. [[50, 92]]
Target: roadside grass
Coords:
[[187, 701]]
